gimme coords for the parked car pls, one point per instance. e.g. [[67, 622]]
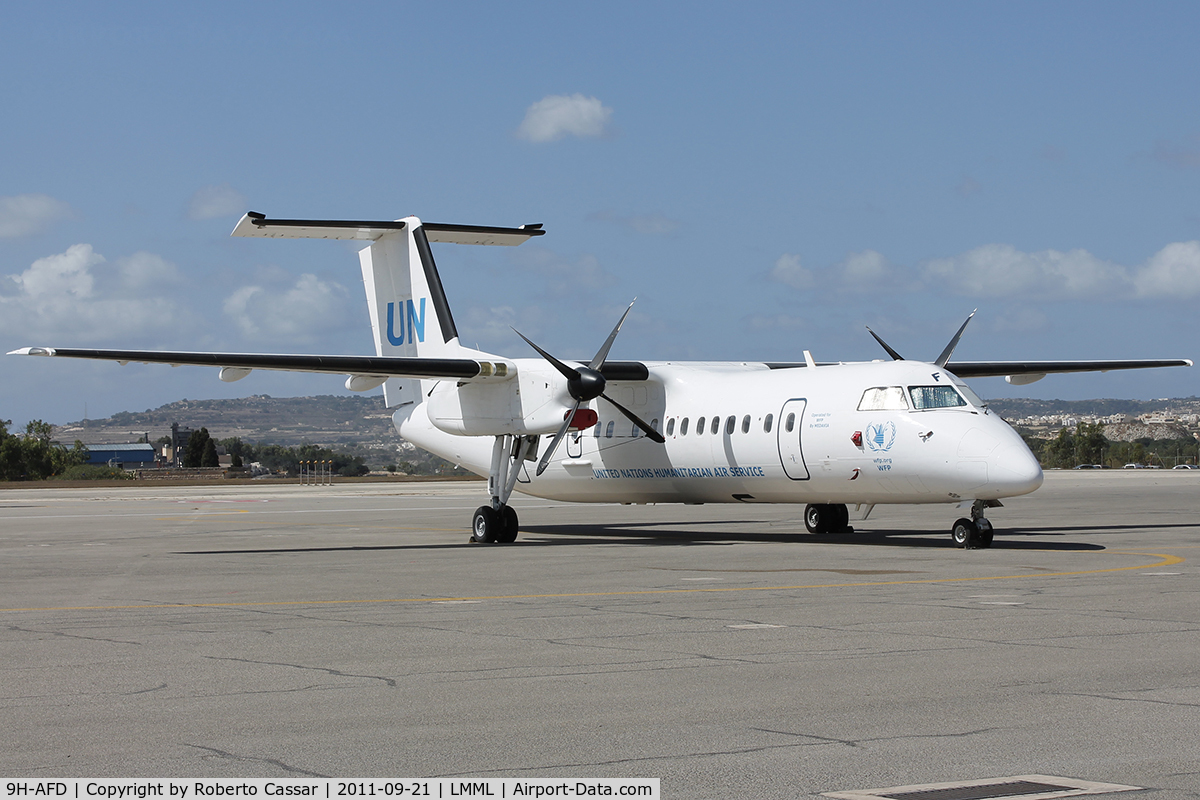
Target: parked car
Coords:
[[1090, 466], [1134, 466], [1187, 466]]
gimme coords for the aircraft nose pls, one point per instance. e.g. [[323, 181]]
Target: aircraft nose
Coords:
[[1016, 468]]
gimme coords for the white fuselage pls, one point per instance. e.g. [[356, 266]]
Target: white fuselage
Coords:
[[846, 433]]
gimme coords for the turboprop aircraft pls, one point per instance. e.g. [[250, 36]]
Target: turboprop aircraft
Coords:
[[827, 435]]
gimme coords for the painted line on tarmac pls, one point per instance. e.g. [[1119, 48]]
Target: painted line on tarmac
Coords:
[[1167, 561]]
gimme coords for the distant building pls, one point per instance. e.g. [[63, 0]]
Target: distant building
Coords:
[[123, 456]]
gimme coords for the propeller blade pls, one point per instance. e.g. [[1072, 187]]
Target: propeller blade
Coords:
[[895, 356], [545, 459], [602, 353], [945, 356], [651, 434], [570, 373]]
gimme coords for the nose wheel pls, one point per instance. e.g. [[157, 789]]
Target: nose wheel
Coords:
[[974, 533]]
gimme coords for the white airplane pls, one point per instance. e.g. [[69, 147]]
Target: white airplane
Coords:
[[828, 435]]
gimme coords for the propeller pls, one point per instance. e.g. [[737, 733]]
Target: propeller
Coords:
[[941, 360], [584, 385]]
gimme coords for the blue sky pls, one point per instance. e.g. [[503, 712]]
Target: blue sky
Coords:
[[764, 178]]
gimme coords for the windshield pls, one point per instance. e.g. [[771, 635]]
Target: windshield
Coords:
[[926, 397]]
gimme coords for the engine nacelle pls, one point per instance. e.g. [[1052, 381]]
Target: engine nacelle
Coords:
[[533, 403]]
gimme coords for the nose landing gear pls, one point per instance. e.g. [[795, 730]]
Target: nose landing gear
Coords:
[[976, 532]]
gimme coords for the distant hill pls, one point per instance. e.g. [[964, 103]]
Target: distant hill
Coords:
[[1017, 407], [326, 420]]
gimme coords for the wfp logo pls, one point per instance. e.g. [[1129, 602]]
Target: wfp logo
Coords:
[[881, 436], [415, 322]]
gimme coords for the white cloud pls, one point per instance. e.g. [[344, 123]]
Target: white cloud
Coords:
[[65, 298], [1002, 270], [211, 202], [865, 270], [27, 214], [303, 312], [144, 270], [558, 115], [1173, 271], [790, 272], [67, 273]]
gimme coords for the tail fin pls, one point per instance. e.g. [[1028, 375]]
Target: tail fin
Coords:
[[409, 312]]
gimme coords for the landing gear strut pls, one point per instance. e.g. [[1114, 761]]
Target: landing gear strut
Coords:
[[498, 522], [975, 532], [827, 518]]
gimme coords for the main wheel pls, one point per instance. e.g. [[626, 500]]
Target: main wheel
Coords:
[[818, 518], [508, 525], [985, 532], [485, 526], [965, 533], [841, 519]]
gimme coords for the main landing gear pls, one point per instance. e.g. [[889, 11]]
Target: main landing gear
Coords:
[[976, 532], [827, 518], [498, 522]]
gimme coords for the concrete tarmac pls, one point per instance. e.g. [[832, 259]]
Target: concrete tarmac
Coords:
[[351, 631]]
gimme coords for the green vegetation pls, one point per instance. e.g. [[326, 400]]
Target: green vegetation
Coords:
[[95, 472], [1088, 445], [278, 458], [33, 456]]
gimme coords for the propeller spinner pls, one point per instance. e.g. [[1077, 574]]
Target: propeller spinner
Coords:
[[584, 385]]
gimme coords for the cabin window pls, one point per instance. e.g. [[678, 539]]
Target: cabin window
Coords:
[[700, 427], [789, 423], [925, 397], [716, 425], [883, 398], [635, 431], [599, 425], [654, 424], [671, 427], [730, 423], [767, 423], [608, 432], [683, 427], [746, 424]]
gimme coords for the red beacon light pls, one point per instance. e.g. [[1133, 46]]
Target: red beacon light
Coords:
[[584, 418], [857, 438]]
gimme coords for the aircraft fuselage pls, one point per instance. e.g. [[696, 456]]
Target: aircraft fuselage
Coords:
[[864, 433]]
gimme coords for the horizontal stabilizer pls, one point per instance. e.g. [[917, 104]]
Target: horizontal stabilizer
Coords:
[[254, 224]]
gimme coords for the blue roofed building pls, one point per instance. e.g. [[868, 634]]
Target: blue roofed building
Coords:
[[125, 456]]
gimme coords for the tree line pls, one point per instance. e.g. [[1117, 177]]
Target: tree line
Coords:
[[1087, 444], [279, 458], [32, 456]]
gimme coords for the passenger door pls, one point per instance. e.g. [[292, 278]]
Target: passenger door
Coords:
[[790, 423]]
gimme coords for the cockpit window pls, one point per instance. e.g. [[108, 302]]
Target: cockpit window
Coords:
[[926, 397], [883, 398], [972, 398]]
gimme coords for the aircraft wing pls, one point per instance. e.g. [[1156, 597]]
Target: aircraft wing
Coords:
[[242, 363], [1029, 369]]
